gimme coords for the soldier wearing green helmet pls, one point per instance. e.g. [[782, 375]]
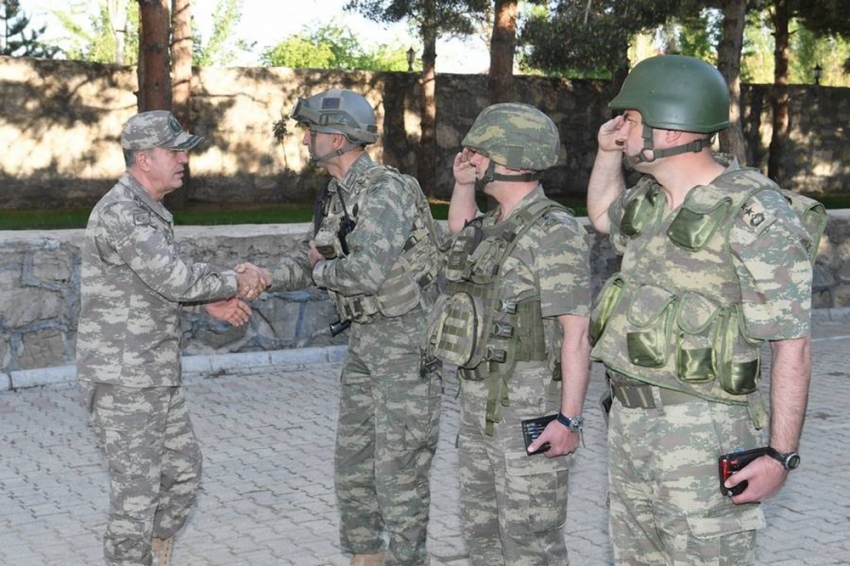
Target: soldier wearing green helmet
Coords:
[[375, 250], [716, 260], [513, 318]]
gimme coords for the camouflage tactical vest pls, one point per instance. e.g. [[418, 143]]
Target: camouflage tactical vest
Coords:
[[472, 326], [687, 332], [409, 283]]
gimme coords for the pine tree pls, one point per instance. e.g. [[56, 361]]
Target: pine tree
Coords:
[[17, 39]]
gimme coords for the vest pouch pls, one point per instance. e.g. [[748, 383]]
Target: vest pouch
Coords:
[[637, 214], [697, 320], [432, 324], [486, 260], [458, 330], [650, 313], [603, 306], [458, 265], [399, 293], [813, 216], [692, 229], [738, 359]]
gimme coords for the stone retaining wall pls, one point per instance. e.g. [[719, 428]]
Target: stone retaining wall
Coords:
[[60, 121], [40, 279]]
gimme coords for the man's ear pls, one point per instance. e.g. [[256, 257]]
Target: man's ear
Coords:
[[143, 159], [673, 135]]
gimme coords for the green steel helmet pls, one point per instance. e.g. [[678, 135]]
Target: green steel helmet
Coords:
[[338, 111], [674, 92], [518, 136]]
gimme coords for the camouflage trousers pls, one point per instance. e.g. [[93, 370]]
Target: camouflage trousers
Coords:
[[664, 488], [513, 506], [154, 466], [386, 438]]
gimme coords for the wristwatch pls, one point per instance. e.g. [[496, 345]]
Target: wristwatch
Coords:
[[789, 461], [574, 424]]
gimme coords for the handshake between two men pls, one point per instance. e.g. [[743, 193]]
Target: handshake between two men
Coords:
[[251, 281]]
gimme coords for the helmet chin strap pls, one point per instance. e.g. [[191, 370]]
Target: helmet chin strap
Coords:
[[630, 161], [490, 175], [315, 160]]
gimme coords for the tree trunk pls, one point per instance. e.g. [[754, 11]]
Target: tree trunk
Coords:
[[181, 88], [154, 61], [117, 10], [428, 141], [729, 63], [502, 47], [181, 49], [780, 101]]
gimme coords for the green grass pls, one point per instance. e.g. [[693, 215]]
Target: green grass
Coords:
[[223, 215]]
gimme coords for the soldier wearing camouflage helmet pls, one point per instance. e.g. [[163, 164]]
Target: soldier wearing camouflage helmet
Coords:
[[132, 287], [716, 260], [514, 319], [375, 251]]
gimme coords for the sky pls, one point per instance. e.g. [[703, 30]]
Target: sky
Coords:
[[267, 22]]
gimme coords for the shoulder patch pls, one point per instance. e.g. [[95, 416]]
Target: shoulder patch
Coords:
[[757, 214]]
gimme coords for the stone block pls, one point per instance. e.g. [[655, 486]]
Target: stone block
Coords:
[[30, 304], [42, 348], [51, 266]]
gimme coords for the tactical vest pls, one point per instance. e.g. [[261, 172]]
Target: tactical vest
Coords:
[[474, 327], [673, 317], [409, 283]]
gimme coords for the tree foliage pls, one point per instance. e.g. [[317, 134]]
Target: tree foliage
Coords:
[[453, 17], [588, 38], [223, 46], [95, 41], [18, 38], [333, 46]]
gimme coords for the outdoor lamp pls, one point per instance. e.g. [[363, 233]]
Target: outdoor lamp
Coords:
[[817, 72], [411, 54]]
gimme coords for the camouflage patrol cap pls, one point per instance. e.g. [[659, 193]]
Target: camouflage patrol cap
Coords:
[[157, 128], [518, 136]]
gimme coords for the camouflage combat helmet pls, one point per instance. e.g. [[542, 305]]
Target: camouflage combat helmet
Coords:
[[675, 92], [338, 111], [518, 136]]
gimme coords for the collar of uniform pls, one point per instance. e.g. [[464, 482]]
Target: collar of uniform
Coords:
[[142, 195], [361, 164], [535, 195]]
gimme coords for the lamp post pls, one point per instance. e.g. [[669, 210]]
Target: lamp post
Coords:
[[817, 72], [411, 54]]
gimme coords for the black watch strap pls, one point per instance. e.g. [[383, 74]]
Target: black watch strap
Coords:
[[574, 424], [789, 461]]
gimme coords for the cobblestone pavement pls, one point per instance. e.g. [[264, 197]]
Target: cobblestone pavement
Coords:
[[267, 499]]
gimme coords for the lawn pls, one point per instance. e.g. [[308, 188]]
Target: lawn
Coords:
[[55, 219]]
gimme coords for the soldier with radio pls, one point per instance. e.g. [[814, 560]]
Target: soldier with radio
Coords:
[[375, 251]]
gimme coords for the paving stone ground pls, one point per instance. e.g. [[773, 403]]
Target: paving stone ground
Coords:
[[267, 499]]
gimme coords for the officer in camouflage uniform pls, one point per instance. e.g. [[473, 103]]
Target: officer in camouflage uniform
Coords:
[[715, 261], [375, 251], [514, 319], [128, 341]]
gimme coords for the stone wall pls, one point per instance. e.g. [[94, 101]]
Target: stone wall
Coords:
[[40, 278], [60, 121]]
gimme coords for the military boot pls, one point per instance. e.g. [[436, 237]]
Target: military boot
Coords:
[[161, 549], [368, 559]]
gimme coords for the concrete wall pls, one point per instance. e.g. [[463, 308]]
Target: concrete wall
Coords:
[[40, 279], [60, 121]]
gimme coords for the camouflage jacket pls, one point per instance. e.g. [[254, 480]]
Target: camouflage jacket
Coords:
[[388, 226], [132, 287], [702, 285]]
